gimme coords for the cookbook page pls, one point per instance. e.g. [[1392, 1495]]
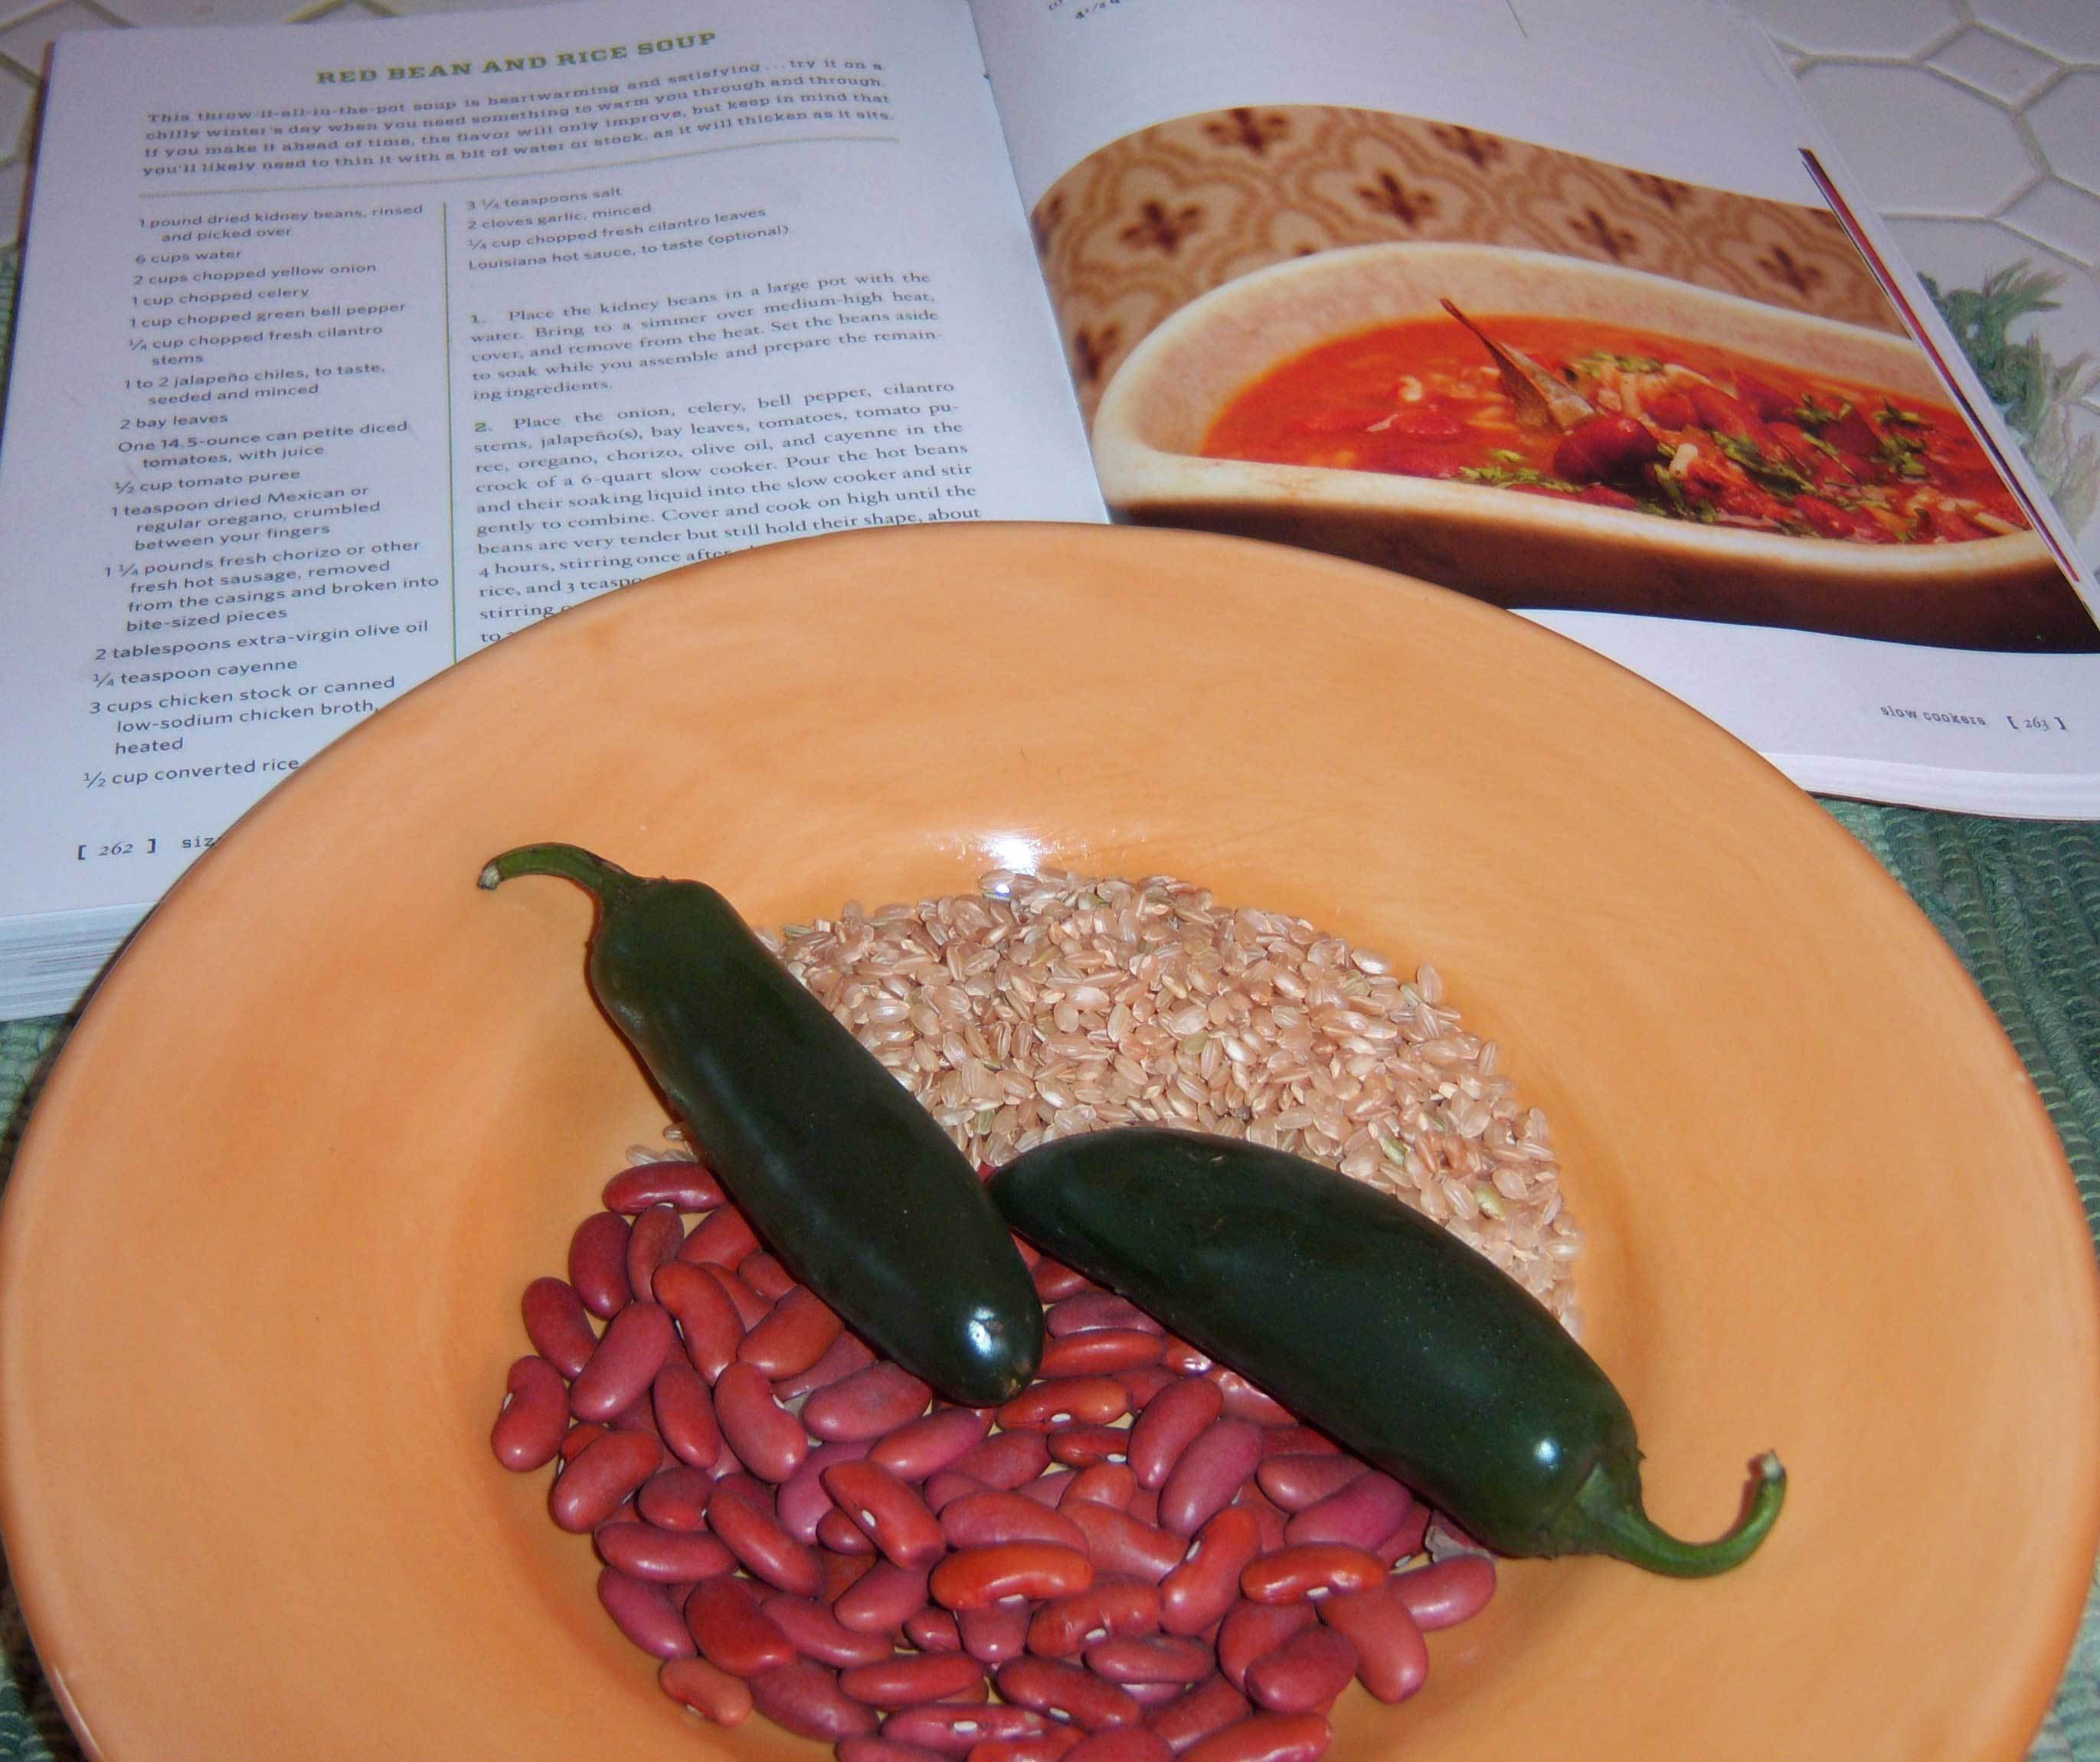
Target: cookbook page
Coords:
[[345, 351], [1678, 412]]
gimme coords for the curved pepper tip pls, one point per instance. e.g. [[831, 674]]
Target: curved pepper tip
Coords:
[[1606, 1517], [571, 861]]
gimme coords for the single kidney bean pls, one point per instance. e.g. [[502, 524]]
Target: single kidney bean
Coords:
[[845, 1355], [645, 1614], [794, 1336], [977, 1576], [1091, 1312], [1145, 1380], [559, 1325], [906, 1680], [1447, 1592], [1391, 1660], [1210, 1707], [819, 1634], [662, 1556], [1121, 1743], [1100, 1352], [689, 1186], [685, 1413], [801, 1501], [806, 1697], [934, 1629], [1207, 1474], [987, 1519], [675, 1498], [996, 1633], [1296, 1482], [1067, 1691], [1105, 1483], [1251, 1630], [628, 1358], [1267, 1737], [722, 1238], [1243, 1401], [579, 1439], [765, 1275], [1087, 1400], [1043, 1746], [1112, 1607], [1303, 1570], [528, 1431], [867, 1404], [709, 1691], [1120, 1543], [1363, 1513], [1207, 1583], [1085, 1447], [839, 1533], [924, 1446], [1172, 1421], [867, 1748], [1152, 1657], [766, 1435], [1055, 1281], [601, 1477], [1304, 1673], [951, 1728], [890, 1511], [732, 1629], [597, 1263], [767, 1551], [652, 1239], [882, 1597], [707, 1320], [1005, 1460]]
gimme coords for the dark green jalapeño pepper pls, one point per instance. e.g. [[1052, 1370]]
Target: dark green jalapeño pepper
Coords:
[[849, 1181], [1373, 1324]]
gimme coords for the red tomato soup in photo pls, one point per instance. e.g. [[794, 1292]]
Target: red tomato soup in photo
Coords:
[[1681, 430]]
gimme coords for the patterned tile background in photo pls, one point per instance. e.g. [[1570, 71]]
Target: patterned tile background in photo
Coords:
[[1135, 231]]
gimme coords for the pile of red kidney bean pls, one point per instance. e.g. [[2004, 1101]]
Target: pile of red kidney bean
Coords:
[[1140, 1556]]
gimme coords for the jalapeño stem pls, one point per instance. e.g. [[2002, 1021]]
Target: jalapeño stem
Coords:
[[607, 880], [1606, 1517]]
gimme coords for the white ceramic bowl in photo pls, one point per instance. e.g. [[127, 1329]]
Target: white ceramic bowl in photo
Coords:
[[1528, 551]]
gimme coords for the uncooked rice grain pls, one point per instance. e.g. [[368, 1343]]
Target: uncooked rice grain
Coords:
[[1045, 1005]]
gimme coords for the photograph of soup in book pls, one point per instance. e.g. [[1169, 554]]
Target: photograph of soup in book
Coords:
[[1543, 380]]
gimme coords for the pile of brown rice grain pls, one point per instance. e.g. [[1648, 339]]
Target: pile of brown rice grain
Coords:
[[1044, 1005]]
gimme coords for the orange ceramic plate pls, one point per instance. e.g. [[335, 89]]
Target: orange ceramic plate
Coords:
[[261, 1262]]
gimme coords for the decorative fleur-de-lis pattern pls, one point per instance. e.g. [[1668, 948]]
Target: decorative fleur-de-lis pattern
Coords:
[[1137, 230]]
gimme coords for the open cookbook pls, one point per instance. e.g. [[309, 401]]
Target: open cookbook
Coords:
[[344, 351]]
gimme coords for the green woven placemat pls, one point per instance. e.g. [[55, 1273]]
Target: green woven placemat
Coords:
[[2019, 902]]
